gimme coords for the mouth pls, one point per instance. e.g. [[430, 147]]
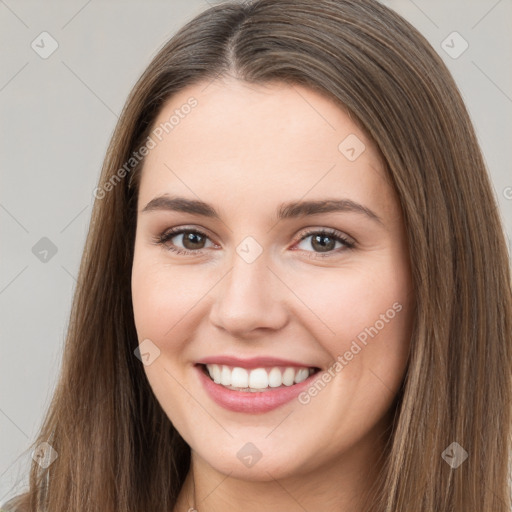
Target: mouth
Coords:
[[256, 380]]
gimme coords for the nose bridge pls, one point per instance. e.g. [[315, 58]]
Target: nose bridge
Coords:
[[247, 297], [249, 277]]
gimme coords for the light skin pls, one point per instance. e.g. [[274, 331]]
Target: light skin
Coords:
[[245, 149]]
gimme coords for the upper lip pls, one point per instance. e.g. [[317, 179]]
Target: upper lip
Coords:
[[253, 362]]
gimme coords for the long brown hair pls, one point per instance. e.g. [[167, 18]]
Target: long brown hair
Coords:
[[117, 449]]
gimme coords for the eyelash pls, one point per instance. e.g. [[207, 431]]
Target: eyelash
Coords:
[[163, 238]]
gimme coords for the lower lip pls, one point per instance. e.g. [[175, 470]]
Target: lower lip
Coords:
[[249, 402]]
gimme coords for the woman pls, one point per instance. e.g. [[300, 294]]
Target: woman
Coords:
[[295, 292]]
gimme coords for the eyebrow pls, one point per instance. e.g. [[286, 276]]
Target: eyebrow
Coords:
[[289, 210]]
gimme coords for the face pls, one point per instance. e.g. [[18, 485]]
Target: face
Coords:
[[290, 285]]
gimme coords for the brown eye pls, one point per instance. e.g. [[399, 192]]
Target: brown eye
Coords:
[[324, 241], [193, 241]]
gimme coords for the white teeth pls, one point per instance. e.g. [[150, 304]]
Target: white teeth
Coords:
[[215, 370], [257, 379], [240, 378], [275, 378], [302, 375], [288, 376], [225, 376]]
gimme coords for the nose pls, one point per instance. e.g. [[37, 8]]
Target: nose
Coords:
[[249, 299]]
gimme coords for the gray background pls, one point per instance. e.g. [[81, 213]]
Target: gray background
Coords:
[[57, 117]]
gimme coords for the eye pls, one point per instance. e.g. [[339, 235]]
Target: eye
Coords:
[[324, 241], [192, 239]]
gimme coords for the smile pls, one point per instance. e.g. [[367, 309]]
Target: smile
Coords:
[[254, 390], [257, 379]]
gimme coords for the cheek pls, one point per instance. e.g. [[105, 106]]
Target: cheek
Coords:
[[162, 296], [344, 303], [162, 299], [362, 319]]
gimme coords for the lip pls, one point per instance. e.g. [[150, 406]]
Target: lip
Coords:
[[252, 403], [253, 362]]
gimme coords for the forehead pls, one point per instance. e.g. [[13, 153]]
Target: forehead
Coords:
[[241, 141]]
